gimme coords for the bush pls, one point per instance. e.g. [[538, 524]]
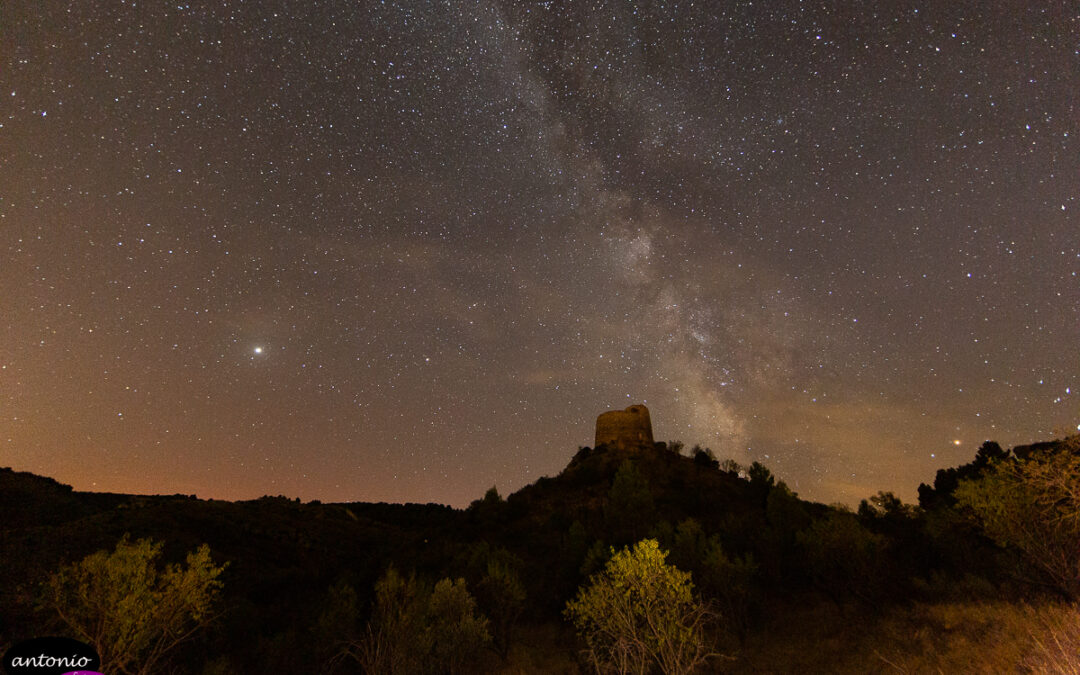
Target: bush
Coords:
[[1033, 506], [131, 612], [641, 613], [414, 630], [630, 504], [842, 556]]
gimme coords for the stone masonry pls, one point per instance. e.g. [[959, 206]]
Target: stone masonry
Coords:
[[624, 429]]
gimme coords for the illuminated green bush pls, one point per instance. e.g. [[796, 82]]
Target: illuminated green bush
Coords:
[[641, 614], [133, 613]]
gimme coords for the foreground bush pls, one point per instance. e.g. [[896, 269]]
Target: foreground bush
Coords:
[[415, 630], [1033, 505], [131, 612], [640, 614]]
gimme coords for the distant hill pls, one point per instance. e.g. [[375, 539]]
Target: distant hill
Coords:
[[751, 544], [29, 500], [294, 551]]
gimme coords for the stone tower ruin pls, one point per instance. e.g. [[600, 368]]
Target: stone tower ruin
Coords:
[[624, 429]]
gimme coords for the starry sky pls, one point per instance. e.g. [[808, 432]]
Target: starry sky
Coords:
[[405, 251]]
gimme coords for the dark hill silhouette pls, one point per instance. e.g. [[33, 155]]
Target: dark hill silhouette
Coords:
[[292, 552], [28, 500], [773, 548]]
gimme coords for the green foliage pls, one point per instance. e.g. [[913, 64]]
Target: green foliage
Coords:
[[787, 516], [947, 480], [732, 581], [595, 558], [1032, 505], [338, 622], [688, 543], [489, 512], [456, 631], [133, 613], [396, 642], [728, 580], [630, 503], [640, 614], [842, 556], [503, 597], [576, 542], [752, 554], [417, 630], [491, 498], [495, 576], [785, 512]]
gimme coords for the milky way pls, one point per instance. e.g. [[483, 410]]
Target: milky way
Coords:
[[406, 251]]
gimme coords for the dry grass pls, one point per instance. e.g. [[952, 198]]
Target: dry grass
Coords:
[[945, 637], [950, 637], [1055, 632]]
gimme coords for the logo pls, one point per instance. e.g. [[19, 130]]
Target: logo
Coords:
[[51, 656]]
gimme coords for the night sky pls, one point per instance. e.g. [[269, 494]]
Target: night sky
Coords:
[[406, 251]]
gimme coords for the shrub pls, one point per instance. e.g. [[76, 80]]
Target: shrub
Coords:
[[1033, 506], [417, 630], [641, 613], [131, 612]]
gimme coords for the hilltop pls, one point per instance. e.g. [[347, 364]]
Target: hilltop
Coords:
[[772, 564]]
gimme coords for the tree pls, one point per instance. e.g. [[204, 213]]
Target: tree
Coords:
[[726, 580], [787, 517], [415, 629], [688, 543], [884, 505], [456, 631], [731, 580], [630, 503], [842, 556], [1033, 506], [395, 641], [946, 480], [761, 479], [503, 597], [133, 613], [785, 512], [640, 614], [492, 496], [338, 624], [489, 511], [704, 457]]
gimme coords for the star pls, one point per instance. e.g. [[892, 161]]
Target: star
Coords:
[[759, 236]]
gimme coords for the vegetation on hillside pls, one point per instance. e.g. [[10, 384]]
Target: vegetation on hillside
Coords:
[[984, 572], [133, 613]]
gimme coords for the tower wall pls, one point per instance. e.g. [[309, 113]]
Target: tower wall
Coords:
[[624, 429]]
